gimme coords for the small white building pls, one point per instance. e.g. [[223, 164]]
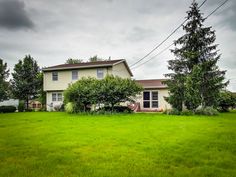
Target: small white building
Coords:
[[10, 102]]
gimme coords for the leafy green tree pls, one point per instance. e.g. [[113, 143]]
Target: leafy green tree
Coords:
[[226, 100], [4, 86], [26, 79], [108, 91], [95, 58], [83, 93], [73, 61], [195, 47], [115, 90]]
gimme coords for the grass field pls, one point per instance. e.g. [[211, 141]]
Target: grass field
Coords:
[[44, 144]]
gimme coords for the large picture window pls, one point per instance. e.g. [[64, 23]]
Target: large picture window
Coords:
[[150, 99]]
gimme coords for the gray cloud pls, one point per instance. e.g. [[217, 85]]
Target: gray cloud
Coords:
[[14, 16], [118, 28]]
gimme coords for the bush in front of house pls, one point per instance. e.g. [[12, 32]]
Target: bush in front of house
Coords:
[[109, 91], [209, 111], [226, 101], [70, 107], [7, 109], [187, 112], [117, 109]]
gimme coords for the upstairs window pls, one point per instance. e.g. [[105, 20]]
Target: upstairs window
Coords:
[[55, 76], [74, 75], [100, 73]]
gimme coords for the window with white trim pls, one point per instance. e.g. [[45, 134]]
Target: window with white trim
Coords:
[[100, 73], [74, 75], [150, 99], [55, 76], [56, 96]]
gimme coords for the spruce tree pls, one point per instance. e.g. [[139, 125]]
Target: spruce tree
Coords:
[[195, 60]]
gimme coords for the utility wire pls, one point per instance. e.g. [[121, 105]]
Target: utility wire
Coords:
[[164, 39], [135, 67]]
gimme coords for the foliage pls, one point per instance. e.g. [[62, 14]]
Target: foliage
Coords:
[[226, 100], [109, 91], [210, 111], [82, 93], [196, 79], [7, 109], [4, 74], [70, 107], [95, 58], [21, 106], [73, 61], [117, 109], [187, 112], [26, 81]]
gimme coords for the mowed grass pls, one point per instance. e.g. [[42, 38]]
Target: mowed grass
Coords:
[[53, 144]]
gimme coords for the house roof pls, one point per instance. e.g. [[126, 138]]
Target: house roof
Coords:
[[106, 63], [152, 83]]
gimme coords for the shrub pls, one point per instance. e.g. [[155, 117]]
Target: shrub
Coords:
[[70, 107], [187, 112], [111, 91], [174, 112], [118, 109], [29, 110], [7, 109], [210, 111], [226, 101], [21, 106]]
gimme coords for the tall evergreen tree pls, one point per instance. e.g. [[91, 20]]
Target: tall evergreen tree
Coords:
[[26, 79], [4, 74], [196, 59]]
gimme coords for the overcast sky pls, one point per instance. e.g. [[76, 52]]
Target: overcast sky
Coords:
[[54, 30]]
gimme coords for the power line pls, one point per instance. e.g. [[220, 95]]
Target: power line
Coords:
[[135, 67], [164, 39], [217, 8]]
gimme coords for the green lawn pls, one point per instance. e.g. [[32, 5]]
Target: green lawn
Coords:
[[58, 144]]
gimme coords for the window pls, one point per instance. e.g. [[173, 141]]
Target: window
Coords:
[[54, 76], [56, 96], [146, 95], [59, 97], [150, 99], [34, 105], [100, 74], [74, 75], [146, 99]]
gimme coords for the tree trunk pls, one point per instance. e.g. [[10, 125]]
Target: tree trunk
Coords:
[[27, 103]]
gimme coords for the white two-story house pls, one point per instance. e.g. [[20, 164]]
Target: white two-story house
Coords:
[[57, 78]]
